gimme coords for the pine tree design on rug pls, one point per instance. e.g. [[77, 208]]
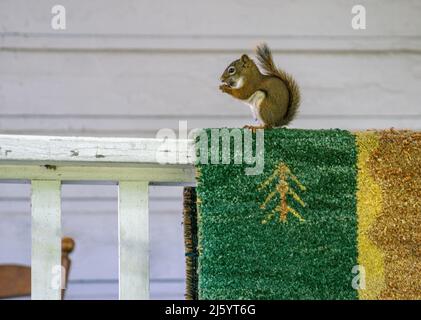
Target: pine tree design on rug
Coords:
[[282, 175]]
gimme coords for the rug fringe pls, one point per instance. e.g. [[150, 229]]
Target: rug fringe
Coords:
[[190, 242]]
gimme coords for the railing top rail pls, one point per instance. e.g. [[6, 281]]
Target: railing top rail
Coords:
[[101, 160], [23, 149]]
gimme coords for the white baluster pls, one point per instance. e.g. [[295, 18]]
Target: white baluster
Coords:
[[46, 240], [133, 239]]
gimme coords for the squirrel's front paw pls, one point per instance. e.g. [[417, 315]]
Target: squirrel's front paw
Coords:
[[224, 88]]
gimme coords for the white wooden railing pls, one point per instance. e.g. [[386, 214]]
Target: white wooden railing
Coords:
[[48, 162]]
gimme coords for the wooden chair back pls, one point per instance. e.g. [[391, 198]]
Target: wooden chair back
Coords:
[[15, 280]]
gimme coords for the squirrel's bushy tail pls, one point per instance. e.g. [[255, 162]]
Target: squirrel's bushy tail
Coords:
[[264, 56]]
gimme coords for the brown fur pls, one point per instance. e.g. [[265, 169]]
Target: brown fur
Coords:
[[281, 92]]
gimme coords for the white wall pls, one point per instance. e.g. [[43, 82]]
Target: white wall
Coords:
[[128, 68]]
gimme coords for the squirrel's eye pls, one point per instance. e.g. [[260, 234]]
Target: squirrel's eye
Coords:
[[231, 70]]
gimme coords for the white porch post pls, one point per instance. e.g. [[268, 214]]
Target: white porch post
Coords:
[[133, 239], [46, 240]]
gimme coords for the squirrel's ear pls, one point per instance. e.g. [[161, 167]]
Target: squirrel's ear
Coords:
[[245, 58]]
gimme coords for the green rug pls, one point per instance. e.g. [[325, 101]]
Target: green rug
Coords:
[[306, 227]]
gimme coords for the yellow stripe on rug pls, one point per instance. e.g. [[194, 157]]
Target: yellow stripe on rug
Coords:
[[369, 202]]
